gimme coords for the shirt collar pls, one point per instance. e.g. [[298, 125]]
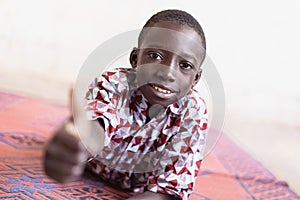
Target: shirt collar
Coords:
[[138, 99]]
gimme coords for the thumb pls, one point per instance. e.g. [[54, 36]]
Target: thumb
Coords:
[[71, 98]]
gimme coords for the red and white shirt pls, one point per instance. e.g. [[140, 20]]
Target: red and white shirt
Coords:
[[162, 154]]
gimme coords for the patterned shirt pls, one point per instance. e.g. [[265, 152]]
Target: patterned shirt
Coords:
[[162, 154]]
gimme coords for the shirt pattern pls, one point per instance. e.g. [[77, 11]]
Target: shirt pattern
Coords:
[[162, 154]]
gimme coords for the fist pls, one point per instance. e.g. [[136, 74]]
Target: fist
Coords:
[[65, 156]]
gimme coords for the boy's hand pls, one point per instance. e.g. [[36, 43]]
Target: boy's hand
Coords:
[[65, 155]]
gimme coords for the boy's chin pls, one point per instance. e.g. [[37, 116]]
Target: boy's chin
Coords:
[[162, 102], [158, 99]]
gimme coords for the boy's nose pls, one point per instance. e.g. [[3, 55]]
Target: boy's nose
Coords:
[[166, 74]]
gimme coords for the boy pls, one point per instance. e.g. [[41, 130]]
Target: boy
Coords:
[[155, 123]]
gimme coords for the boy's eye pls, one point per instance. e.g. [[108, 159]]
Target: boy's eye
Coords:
[[155, 56], [186, 66]]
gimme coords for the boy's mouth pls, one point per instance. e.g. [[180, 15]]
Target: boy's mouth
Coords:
[[161, 89]]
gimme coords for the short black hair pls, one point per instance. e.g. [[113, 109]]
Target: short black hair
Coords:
[[177, 16]]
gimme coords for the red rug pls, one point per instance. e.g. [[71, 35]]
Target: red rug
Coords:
[[26, 123]]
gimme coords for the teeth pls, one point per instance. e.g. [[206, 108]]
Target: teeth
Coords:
[[162, 90]]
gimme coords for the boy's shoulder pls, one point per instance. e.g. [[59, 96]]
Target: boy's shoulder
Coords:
[[117, 78], [116, 73]]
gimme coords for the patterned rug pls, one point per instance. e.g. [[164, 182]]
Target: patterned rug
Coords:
[[26, 124]]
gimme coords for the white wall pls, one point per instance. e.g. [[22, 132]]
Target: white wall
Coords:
[[254, 44]]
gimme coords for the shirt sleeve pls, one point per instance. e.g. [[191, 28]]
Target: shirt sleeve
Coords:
[[183, 155], [101, 100]]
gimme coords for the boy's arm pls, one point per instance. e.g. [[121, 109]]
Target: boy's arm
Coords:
[[62, 154], [66, 153], [151, 196]]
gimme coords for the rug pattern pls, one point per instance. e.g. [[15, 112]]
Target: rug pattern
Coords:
[[27, 123]]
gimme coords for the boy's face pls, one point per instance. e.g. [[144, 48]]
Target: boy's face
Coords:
[[168, 62]]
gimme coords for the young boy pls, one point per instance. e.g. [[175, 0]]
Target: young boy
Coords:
[[155, 123]]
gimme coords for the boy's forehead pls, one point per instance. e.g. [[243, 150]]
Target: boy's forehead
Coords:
[[181, 41]]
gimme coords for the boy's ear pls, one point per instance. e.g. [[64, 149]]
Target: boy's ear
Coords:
[[197, 77], [133, 57]]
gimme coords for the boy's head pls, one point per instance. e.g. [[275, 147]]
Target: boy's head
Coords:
[[176, 16], [171, 49]]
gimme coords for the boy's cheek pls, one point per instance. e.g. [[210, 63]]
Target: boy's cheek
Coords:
[[144, 74]]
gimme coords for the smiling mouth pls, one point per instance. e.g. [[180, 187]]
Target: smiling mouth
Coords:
[[161, 89]]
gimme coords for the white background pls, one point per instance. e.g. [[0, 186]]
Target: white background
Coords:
[[254, 45]]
